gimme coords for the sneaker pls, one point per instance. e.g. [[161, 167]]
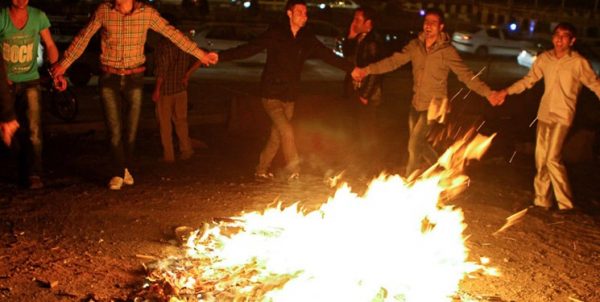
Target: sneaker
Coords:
[[127, 178], [35, 182], [115, 183], [263, 176], [294, 177]]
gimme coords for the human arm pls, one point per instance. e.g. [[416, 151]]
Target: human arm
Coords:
[[533, 76], [322, 52], [8, 120], [157, 87], [249, 49], [78, 44], [393, 62], [190, 71], [589, 78], [371, 51], [51, 49], [466, 76], [162, 26]]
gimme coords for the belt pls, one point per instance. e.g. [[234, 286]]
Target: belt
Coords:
[[122, 71]]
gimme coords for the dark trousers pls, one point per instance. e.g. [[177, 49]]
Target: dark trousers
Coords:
[[29, 135]]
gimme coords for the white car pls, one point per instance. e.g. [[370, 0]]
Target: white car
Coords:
[[489, 40]]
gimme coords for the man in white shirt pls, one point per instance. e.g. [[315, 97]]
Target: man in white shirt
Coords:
[[564, 71]]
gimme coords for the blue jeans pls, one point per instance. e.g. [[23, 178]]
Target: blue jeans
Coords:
[[420, 151], [29, 135], [122, 100]]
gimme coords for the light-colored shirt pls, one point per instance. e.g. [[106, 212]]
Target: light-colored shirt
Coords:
[[123, 36], [430, 70], [562, 79], [20, 46]]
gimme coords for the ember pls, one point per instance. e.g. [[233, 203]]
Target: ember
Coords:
[[396, 242]]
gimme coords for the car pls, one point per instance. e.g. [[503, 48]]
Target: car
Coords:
[[217, 36], [489, 40], [527, 56]]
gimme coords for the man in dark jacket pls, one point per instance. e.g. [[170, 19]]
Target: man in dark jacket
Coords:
[[288, 46], [362, 47], [8, 118]]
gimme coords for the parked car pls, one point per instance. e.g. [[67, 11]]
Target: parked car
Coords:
[[489, 40]]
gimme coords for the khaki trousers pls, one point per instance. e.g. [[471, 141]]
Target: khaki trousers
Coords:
[[173, 109], [550, 169], [282, 134]]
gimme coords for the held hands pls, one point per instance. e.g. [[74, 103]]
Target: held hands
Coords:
[[358, 74], [210, 58], [497, 98], [57, 72], [8, 129]]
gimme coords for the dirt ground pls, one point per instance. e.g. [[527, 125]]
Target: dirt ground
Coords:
[[75, 240]]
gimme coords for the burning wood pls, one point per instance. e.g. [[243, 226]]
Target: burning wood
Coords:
[[396, 242]]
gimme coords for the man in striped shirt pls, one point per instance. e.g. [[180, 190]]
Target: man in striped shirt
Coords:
[[124, 26], [173, 69]]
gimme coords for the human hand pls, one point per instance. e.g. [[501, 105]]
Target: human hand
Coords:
[[8, 129], [497, 98], [60, 83], [57, 70], [358, 74], [363, 101], [210, 58], [156, 95]]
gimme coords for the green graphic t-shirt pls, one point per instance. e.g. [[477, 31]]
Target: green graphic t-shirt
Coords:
[[20, 46]]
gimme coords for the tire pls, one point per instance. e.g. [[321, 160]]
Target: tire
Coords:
[[64, 105], [80, 74], [481, 51]]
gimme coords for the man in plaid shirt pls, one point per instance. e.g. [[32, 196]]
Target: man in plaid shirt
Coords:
[[124, 25], [173, 69]]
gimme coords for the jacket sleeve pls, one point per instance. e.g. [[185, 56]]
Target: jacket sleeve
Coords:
[[393, 62], [325, 54], [464, 74], [533, 76], [7, 103], [371, 84], [249, 49]]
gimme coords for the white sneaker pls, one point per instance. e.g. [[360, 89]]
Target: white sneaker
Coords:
[[128, 178], [115, 183]]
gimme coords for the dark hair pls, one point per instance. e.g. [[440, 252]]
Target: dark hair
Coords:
[[436, 11], [369, 13], [290, 4], [566, 26]]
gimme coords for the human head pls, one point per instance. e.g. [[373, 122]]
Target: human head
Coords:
[[433, 24], [296, 12], [563, 36], [364, 19]]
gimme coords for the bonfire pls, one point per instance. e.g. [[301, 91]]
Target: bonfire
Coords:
[[399, 241]]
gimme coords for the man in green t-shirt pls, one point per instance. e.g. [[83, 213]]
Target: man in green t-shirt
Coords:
[[21, 29]]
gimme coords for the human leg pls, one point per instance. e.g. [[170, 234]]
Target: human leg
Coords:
[[164, 113], [181, 124], [110, 94], [419, 149], [556, 168], [541, 181]]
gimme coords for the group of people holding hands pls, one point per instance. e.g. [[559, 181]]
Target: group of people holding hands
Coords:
[[124, 25]]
